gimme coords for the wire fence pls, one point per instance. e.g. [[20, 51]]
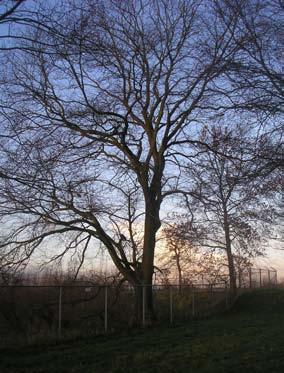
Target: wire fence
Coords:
[[28, 311], [248, 277], [256, 277], [46, 310]]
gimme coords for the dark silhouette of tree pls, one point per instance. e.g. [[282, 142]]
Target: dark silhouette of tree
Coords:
[[235, 206], [102, 102], [9, 10]]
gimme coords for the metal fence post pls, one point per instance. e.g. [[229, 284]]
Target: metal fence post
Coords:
[[268, 274], [260, 280], [143, 305], [193, 301], [171, 304], [250, 282], [226, 295], [106, 311], [60, 311]]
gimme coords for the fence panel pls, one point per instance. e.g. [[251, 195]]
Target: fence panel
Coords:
[[41, 311]]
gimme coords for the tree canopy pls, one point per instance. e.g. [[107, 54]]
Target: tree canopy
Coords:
[[103, 105]]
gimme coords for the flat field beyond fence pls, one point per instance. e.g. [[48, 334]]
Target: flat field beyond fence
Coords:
[[247, 338]]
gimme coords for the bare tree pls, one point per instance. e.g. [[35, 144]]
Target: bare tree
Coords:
[[256, 76], [185, 257], [180, 254], [235, 209], [8, 10], [97, 116], [256, 69]]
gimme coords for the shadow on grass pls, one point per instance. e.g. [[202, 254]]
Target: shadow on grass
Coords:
[[247, 338]]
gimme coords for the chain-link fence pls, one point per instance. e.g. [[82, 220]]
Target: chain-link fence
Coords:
[[28, 312], [256, 277]]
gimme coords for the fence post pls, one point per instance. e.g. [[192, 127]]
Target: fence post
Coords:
[[106, 310], [193, 301], [226, 295], [143, 305], [171, 304], [59, 311], [268, 274], [260, 280], [250, 282]]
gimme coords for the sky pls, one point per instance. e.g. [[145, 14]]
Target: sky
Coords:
[[274, 258]]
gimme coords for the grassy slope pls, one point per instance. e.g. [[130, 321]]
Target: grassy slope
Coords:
[[249, 338]]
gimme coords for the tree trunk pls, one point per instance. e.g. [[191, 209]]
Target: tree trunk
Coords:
[[231, 266], [137, 317], [232, 274], [179, 274], [152, 224], [141, 278]]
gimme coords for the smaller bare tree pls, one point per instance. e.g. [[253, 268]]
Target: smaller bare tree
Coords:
[[233, 200]]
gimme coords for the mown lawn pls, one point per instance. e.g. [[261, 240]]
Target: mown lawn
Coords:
[[249, 338]]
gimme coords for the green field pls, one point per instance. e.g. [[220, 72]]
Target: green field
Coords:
[[248, 338]]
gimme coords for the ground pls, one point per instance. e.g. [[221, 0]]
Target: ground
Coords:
[[248, 338]]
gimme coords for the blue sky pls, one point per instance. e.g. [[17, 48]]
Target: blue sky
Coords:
[[275, 258]]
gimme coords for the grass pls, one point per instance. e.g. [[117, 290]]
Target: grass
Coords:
[[248, 338]]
